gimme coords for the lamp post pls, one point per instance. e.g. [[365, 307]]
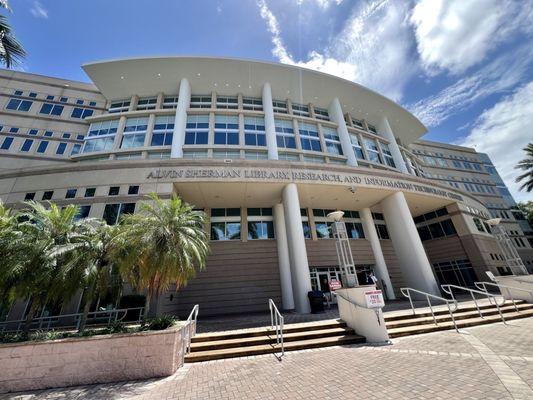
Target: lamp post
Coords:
[[512, 258], [344, 251]]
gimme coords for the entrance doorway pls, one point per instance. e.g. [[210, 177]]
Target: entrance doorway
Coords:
[[321, 276]]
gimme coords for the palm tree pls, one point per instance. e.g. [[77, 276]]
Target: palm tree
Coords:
[[11, 51], [163, 245], [45, 273], [9, 254], [526, 165], [95, 257]]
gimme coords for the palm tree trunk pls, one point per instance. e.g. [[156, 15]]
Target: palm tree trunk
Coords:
[[147, 305], [86, 307]]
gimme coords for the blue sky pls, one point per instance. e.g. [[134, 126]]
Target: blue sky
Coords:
[[464, 67]]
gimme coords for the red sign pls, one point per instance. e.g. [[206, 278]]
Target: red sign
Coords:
[[334, 284]]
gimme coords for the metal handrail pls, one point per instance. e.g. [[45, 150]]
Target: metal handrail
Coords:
[[191, 328], [45, 323], [483, 286], [277, 322], [448, 289], [406, 292]]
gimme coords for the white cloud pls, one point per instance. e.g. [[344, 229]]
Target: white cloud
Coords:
[[38, 10], [502, 132], [454, 35], [323, 4], [498, 76], [373, 49]]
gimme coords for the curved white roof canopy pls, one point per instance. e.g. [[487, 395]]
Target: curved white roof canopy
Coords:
[[120, 79]]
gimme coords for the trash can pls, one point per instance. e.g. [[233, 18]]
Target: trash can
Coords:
[[316, 300]]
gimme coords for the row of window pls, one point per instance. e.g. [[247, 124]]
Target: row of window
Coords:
[[89, 192], [436, 230], [45, 133], [48, 108], [61, 99], [42, 146]]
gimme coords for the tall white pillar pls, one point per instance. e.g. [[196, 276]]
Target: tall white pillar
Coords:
[[270, 125], [372, 236], [180, 120], [336, 115], [301, 278], [385, 129], [407, 244], [284, 262]]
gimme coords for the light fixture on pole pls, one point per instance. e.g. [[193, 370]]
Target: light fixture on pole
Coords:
[[344, 251]]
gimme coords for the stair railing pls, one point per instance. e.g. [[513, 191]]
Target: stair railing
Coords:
[[449, 290], [502, 288], [190, 328], [406, 292], [276, 322]]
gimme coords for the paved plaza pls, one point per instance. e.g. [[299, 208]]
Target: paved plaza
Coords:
[[486, 362]]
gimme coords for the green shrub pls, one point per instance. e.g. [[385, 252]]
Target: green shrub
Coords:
[[161, 322], [11, 337], [115, 327], [46, 335]]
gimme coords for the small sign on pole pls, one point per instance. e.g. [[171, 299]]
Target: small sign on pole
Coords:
[[374, 299], [334, 284]]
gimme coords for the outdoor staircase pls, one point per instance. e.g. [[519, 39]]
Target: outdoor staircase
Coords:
[[249, 342], [405, 324]]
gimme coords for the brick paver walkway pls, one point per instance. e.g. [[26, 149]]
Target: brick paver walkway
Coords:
[[487, 362]]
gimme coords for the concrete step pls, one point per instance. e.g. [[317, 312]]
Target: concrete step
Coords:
[[244, 351], [463, 323], [424, 318], [270, 339], [266, 331], [441, 309]]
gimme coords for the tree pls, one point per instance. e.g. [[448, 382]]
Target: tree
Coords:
[[95, 258], [45, 272], [162, 245], [11, 51], [527, 208], [526, 165]]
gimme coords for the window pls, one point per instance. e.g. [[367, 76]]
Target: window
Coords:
[[382, 231], [226, 129], [114, 190], [170, 102], [79, 102], [358, 123], [322, 224], [190, 154], [63, 99], [78, 112], [321, 113], [89, 192], [300, 109], [478, 224], [6, 144], [225, 223], [79, 137], [51, 109], [66, 136], [372, 150], [255, 155], [18, 92], [50, 97], [103, 128], [197, 129], [313, 159], [227, 102], [61, 147], [254, 131], [305, 223], [372, 128], [331, 138], [48, 134], [83, 212], [26, 146], [92, 103], [279, 106], [71, 193], [134, 133], [32, 132], [436, 230], [75, 149], [387, 154], [455, 272], [43, 144], [29, 196], [133, 189], [309, 138], [227, 154], [113, 212], [13, 130], [285, 134], [163, 131], [251, 103], [19, 105], [147, 103], [260, 223], [355, 230], [119, 106], [200, 102], [356, 146], [99, 144], [288, 156], [48, 195]]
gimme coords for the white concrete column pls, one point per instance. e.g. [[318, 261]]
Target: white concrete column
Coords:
[[413, 260], [301, 278], [336, 115], [284, 262], [180, 120], [270, 126], [385, 129], [382, 272]]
